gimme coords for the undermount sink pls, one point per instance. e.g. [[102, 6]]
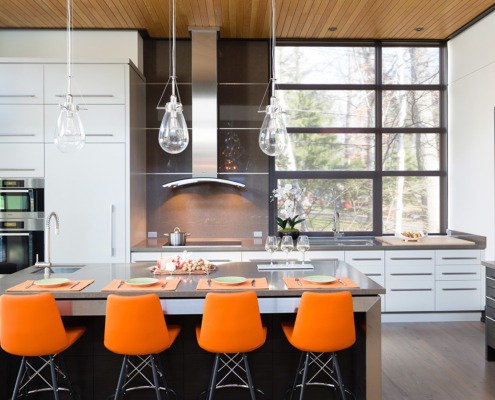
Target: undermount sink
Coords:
[[60, 269], [329, 241]]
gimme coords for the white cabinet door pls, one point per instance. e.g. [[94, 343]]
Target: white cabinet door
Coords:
[[101, 123], [21, 84], [87, 190], [92, 83], [21, 123], [23, 160]]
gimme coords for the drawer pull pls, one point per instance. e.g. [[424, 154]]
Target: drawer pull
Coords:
[[459, 273], [100, 134], [16, 134], [459, 258], [373, 274], [454, 289], [412, 274], [367, 259], [490, 318], [18, 95], [410, 258], [86, 95], [17, 169], [324, 259], [411, 290]]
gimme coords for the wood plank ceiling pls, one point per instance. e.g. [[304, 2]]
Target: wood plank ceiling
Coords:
[[296, 19]]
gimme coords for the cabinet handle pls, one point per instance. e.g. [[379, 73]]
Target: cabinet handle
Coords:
[[373, 274], [451, 289], [17, 95], [112, 246], [367, 259], [214, 261], [412, 274], [14, 234], [17, 134], [86, 95], [17, 169], [459, 258], [411, 290], [15, 191], [459, 273], [490, 318], [100, 134], [322, 259], [410, 258]]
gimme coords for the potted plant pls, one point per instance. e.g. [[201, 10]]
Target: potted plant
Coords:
[[287, 197]]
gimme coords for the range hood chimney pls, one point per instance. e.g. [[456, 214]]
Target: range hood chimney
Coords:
[[204, 110]]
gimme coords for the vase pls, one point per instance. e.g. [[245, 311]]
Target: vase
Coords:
[[293, 233]]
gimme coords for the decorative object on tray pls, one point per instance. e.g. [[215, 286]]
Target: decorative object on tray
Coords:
[[289, 200], [182, 264], [410, 236]]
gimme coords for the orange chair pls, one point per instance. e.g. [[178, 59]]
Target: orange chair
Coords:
[[231, 327], [135, 326], [324, 325], [31, 327]]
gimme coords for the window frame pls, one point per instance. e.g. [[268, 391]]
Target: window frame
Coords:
[[376, 176]]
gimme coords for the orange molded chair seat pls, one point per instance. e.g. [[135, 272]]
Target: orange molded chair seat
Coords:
[[31, 326], [324, 324], [231, 327], [135, 326]]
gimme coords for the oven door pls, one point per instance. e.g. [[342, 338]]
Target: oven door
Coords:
[[18, 248], [21, 198]]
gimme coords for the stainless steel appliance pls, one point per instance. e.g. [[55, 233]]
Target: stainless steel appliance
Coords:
[[22, 198], [22, 216]]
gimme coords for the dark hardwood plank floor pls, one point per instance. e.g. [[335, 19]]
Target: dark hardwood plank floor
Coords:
[[444, 360]]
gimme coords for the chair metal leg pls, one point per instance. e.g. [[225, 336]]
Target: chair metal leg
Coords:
[[305, 376], [155, 378], [20, 374], [213, 379], [122, 378], [296, 377], [54, 378], [339, 376], [249, 378]]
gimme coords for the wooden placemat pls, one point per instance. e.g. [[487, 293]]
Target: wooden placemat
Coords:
[[291, 283], [170, 285], [66, 287], [259, 284]]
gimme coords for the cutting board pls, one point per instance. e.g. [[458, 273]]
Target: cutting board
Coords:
[[427, 241]]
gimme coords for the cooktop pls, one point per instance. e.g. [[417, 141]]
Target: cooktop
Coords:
[[208, 243]]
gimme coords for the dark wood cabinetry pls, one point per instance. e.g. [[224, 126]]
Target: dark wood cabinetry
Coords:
[[490, 314]]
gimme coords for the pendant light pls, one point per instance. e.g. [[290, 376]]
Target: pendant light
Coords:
[[173, 135], [273, 136], [69, 134]]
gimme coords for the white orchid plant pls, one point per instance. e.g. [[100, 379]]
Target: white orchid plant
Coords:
[[288, 197]]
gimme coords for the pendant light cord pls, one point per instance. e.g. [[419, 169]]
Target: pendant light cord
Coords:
[[173, 48], [69, 47], [273, 47]]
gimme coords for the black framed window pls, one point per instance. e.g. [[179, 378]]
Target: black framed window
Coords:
[[368, 137]]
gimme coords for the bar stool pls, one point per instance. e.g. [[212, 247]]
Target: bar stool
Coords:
[[324, 325], [135, 326], [31, 327], [231, 327]]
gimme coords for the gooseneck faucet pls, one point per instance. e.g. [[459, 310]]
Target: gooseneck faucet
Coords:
[[336, 217], [47, 262]]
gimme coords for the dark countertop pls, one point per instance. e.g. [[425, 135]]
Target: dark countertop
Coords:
[[257, 244], [103, 274]]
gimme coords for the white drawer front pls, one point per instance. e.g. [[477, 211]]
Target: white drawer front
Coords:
[[408, 258], [458, 296], [102, 123], [458, 272], [371, 263], [410, 296], [21, 84], [22, 160], [96, 83], [21, 123], [319, 255], [458, 257]]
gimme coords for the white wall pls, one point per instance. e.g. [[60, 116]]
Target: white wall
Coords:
[[471, 94], [39, 43]]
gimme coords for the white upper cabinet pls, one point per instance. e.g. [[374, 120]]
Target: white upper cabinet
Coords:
[[91, 83], [21, 84], [21, 123]]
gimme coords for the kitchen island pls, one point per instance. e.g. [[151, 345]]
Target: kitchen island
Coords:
[[94, 370]]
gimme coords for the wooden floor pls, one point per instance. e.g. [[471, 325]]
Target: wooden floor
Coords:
[[444, 360]]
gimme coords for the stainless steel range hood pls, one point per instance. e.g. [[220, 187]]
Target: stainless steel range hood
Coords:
[[204, 110]]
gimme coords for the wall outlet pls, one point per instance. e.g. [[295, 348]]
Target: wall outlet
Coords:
[[152, 235], [257, 234]]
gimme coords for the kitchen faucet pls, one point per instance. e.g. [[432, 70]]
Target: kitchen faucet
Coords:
[[336, 217], [47, 263]]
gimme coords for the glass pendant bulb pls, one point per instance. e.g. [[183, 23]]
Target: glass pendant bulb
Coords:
[[69, 134], [173, 135], [273, 136]]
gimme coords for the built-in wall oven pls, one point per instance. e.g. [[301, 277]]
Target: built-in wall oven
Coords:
[[22, 216]]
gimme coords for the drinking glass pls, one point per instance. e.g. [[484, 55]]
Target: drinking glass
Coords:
[[271, 245], [287, 245], [303, 246]]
